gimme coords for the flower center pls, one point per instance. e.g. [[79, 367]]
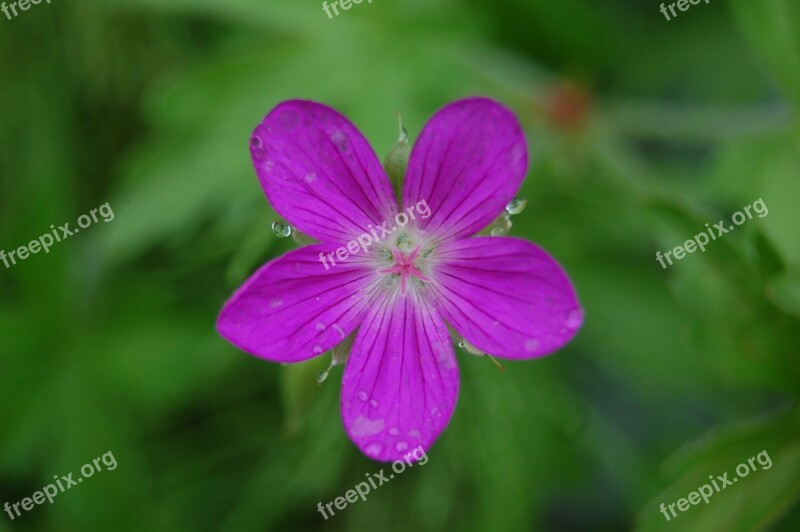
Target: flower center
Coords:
[[405, 266]]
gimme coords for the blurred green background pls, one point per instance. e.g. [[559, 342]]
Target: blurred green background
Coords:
[[640, 131]]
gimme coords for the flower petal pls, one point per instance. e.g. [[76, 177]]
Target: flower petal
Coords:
[[467, 164], [319, 172], [294, 308], [400, 383], [506, 296]]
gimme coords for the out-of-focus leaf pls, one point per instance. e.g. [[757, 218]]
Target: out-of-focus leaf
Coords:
[[773, 26], [300, 390], [784, 291], [754, 500], [781, 190]]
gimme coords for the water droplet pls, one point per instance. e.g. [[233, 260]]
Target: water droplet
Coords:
[[373, 403], [401, 446], [516, 206], [363, 426], [363, 395], [517, 153], [373, 449], [311, 177], [257, 146], [574, 318], [281, 229], [498, 231], [414, 433], [339, 330], [268, 166], [339, 139], [319, 326], [403, 135], [394, 431], [275, 303], [317, 349], [495, 323], [321, 376], [532, 344]]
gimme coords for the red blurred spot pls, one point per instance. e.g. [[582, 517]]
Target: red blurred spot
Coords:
[[568, 105]]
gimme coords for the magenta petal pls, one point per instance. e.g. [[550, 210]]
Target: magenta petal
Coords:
[[401, 381], [468, 163], [293, 308], [506, 296], [319, 172]]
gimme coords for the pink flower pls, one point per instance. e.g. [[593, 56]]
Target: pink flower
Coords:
[[504, 295]]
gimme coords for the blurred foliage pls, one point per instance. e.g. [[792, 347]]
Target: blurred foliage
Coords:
[[640, 131]]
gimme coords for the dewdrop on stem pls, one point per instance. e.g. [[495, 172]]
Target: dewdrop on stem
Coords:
[[281, 229], [322, 375], [501, 226], [516, 206]]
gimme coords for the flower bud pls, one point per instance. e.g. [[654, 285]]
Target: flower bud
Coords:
[[396, 160]]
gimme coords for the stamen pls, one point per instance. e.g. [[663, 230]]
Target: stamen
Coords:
[[405, 267]]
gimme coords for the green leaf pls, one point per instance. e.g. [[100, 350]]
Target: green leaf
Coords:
[[754, 500], [784, 291], [773, 27]]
